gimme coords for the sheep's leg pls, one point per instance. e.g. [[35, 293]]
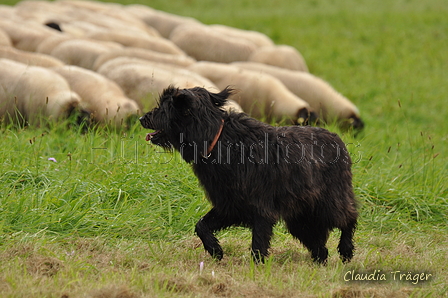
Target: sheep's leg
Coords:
[[261, 238], [205, 229]]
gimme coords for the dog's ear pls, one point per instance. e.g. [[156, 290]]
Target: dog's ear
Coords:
[[183, 100], [219, 99]]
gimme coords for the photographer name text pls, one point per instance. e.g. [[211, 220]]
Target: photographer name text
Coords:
[[396, 275]]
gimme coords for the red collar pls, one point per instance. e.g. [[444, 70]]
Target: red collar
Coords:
[[215, 140]]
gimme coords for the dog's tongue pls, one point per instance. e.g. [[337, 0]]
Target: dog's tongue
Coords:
[[150, 135]]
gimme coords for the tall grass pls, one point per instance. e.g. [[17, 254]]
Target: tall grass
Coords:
[[113, 182], [114, 215]]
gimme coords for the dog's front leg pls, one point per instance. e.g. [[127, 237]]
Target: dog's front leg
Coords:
[[261, 238], [205, 229]]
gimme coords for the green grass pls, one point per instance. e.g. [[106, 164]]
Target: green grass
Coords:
[[114, 216]]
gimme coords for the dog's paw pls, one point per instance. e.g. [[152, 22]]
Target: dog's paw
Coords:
[[320, 255], [217, 253], [258, 257]]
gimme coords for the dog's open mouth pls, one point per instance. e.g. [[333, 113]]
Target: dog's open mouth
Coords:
[[151, 135]]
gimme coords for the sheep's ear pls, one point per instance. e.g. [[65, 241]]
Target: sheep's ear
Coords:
[[219, 99]]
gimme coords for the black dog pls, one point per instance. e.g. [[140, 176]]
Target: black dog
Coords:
[[255, 174]]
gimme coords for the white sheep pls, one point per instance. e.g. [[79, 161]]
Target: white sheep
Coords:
[[260, 95], [258, 38], [29, 58], [4, 39], [179, 60], [129, 39], [26, 35], [74, 20], [111, 16], [142, 80], [100, 97], [42, 11], [280, 55], [47, 45], [323, 98], [96, 6], [233, 106], [31, 94], [163, 22], [78, 29], [7, 12], [82, 52], [203, 43]]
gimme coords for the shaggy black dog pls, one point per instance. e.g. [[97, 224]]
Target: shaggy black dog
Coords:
[[255, 174]]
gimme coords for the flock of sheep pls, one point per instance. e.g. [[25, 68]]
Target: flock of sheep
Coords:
[[111, 61]]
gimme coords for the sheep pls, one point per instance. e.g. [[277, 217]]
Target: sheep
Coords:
[[190, 78], [82, 52], [322, 97], [179, 60], [95, 6], [4, 39], [89, 22], [48, 44], [77, 20], [7, 11], [258, 38], [129, 39], [31, 94], [261, 95], [232, 106], [203, 43], [162, 21], [26, 35], [29, 58], [43, 11], [78, 29], [51, 42], [101, 97], [280, 55], [110, 16], [140, 78]]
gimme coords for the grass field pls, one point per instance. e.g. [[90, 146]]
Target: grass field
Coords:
[[114, 216]]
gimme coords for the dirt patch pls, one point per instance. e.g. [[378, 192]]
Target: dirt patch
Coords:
[[358, 292], [114, 292], [178, 285], [4, 285], [44, 266], [18, 250], [220, 289]]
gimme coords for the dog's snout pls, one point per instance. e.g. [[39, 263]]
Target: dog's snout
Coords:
[[143, 120], [146, 120]]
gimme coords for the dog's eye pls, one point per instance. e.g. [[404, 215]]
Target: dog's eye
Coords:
[[186, 112]]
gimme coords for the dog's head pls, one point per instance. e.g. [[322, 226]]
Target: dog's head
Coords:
[[185, 118]]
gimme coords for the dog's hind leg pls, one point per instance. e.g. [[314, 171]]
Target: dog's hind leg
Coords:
[[346, 247], [261, 238], [207, 226], [314, 238]]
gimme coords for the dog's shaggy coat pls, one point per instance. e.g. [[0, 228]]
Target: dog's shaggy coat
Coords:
[[255, 174]]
